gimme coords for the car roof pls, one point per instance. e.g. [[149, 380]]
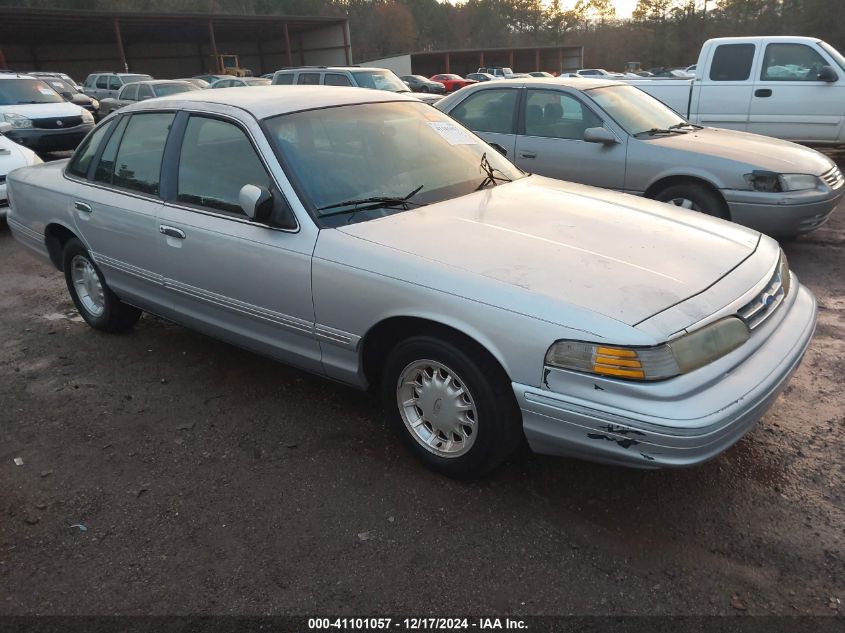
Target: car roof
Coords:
[[267, 101], [331, 68], [581, 83], [16, 76]]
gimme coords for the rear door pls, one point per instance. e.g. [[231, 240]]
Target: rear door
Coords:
[[492, 114], [115, 84], [240, 280], [551, 141], [724, 93], [116, 204], [790, 101], [101, 87]]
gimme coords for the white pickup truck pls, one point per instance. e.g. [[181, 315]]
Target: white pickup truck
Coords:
[[787, 87]]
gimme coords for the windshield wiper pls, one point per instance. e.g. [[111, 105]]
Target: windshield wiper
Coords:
[[678, 126], [657, 130], [492, 178], [373, 202]]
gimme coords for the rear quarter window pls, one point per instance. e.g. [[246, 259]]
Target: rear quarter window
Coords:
[[732, 62]]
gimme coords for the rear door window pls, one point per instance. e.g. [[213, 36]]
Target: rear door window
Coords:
[[103, 82], [334, 79], [145, 92], [489, 111], [138, 163], [309, 79], [115, 83], [129, 93], [284, 80], [732, 62]]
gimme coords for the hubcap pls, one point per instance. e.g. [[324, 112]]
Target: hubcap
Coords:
[[87, 284], [437, 408], [686, 203]]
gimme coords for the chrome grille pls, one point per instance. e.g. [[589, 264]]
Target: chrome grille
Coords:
[[834, 178], [765, 303]]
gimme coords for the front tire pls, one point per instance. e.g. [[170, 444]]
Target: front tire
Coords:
[[452, 406], [695, 197], [97, 304]]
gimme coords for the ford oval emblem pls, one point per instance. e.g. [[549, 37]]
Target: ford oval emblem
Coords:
[[767, 300], [59, 123]]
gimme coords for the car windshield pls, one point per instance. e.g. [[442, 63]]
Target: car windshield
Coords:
[[131, 79], [165, 90], [380, 80], [633, 109], [837, 56], [21, 91], [60, 85], [381, 150]]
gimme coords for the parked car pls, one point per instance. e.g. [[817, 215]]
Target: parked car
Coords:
[[357, 76], [453, 82], [240, 82], [484, 304], [104, 85], [597, 73], [210, 79], [541, 73], [142, 90], [609, 134], [497, 71], [482, 77], [202, 84], [42, 74], [68, 91], [12, 156], [788, 87], [40, 118], [418, 83]]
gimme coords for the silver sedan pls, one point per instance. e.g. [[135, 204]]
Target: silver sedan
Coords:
[[366, 237], [609, 134]]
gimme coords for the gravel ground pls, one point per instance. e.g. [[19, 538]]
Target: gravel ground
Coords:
[[212, 481]]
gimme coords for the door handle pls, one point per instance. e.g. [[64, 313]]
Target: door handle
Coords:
[[81, 206], [763, 92], [171, 231], [528, 154]]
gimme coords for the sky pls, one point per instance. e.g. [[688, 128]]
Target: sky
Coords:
[[623, 7]]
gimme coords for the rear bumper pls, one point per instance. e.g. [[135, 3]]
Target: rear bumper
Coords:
[[782, 215], [51, 140], [724, 410]]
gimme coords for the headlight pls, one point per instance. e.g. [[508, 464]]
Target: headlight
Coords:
[[87, 117], [18, 121], [681, 356], [772, 182]]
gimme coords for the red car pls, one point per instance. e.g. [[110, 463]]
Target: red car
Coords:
[[453, 82]]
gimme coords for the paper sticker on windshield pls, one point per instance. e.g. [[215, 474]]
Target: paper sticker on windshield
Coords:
[[452, 133], [45, 91]]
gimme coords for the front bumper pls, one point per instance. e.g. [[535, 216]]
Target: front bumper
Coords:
[[665, 426], [51, 140], [782, 214]]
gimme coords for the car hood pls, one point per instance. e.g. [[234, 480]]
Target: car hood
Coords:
[[44, 110], [751, 150], [618, 255], [13, 156]]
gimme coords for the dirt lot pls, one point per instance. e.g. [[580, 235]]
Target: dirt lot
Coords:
[[213, 481]]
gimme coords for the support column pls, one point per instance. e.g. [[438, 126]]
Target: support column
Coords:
[[33, 52], [201, 57], [481, 59], [2, 59], [217, 69], [261, 58], [346, 46], [301, 49], [560, 60], [537, 59], [119, 39], [510, 59], [446, 63], [287, 44]]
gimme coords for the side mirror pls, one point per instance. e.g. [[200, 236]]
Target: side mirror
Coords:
[[499, 149], [5, 127], [260, 205], [599, 135], [828, 74], [67, 96]]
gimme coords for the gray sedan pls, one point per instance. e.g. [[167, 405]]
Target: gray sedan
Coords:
[[486, 306], [609, 134], [143, 90]]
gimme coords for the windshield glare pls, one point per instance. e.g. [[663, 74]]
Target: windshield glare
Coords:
[[21, 91], [633, 109], [379, 80], [381, 149], [165, 90]]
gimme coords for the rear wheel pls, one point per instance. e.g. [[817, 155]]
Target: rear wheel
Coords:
[[695, 197], [423, 88], [452, 406], [97, 304]]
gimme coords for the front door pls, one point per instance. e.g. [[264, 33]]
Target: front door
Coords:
[[241, 281], [790, 101], [551, 141], [492, 115]]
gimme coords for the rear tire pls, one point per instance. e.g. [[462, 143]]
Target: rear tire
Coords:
[[452, 406], [423, 89], [97, 304], [695, 197]]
